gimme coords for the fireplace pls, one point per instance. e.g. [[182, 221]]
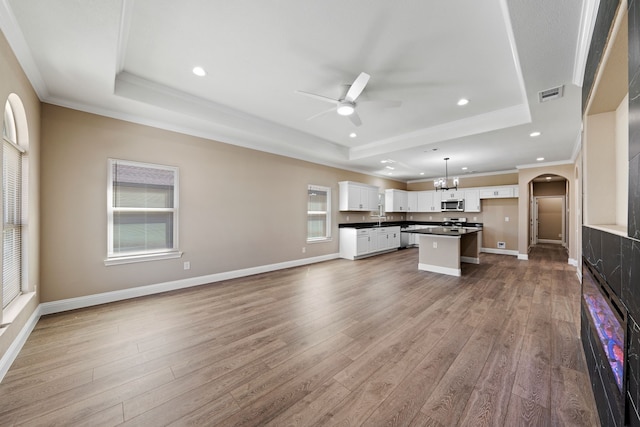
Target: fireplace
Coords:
[[604, 331]]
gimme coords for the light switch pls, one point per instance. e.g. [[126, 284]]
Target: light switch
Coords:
[[435, 245], [506, 219]]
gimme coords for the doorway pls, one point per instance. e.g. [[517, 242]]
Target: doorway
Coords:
[[549, 222]]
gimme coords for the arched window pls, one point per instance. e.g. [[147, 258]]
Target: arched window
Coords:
[[13, 158]]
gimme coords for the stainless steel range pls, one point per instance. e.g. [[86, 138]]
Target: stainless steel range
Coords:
[[454, 222]]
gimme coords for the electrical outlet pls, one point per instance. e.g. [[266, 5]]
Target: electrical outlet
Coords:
[[506, 219], [363, 217], [347, 218], [502, 245], [475, 218], [304, 250], [187, 265], [411, 217], [430, 218], [435, 245]]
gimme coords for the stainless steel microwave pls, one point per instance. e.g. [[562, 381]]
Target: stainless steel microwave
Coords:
[[452, 205]]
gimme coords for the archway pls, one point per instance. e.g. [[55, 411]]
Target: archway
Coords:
[[548, 210]]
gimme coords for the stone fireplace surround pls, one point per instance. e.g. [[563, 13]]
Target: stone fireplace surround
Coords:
[[615, 257]]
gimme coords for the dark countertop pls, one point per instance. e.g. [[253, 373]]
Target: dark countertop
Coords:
[[400, 224], [445, 231]]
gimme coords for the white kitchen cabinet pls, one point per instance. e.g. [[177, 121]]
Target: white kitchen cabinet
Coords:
[[363, 241], [428, 201], [396, 201], [387, 238], [452, 195], [413, 200], [472, 201], [499, 192], [355, 196], [360, 242]]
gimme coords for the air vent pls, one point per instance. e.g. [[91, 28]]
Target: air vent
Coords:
[[549, 94]]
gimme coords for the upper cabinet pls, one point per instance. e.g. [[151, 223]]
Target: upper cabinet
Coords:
[[355, 196], [498, 192], [472, 201], [428, 201], [413, 201], [452, 195], [396, 201]]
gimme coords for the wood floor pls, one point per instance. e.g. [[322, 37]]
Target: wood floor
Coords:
[[371, 342]]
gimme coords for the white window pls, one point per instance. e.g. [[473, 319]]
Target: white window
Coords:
[[12, 209], [142, 202], [318, 213]]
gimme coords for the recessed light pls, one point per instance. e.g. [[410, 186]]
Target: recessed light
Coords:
[[421, 173], [534, 134], [390, 173], [548, 178], [463, 101], [540, 159], [390, 167], [464, 168], [352, 135], [199, 71]]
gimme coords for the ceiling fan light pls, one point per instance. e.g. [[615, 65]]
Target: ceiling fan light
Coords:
[[346, 109]]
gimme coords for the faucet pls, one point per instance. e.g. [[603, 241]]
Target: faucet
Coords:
[[380, 215], [380, 218]]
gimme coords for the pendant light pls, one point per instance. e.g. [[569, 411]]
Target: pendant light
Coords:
[[443, 183]]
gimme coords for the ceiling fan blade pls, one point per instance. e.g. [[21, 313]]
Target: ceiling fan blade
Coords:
[[355, 119], [318, 97], [357, 87], [330, 110]]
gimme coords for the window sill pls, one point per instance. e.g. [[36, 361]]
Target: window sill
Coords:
[[141, 258], [320, 240], [15, 307]]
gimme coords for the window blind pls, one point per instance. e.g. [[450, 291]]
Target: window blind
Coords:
[[12, 223], [143, 208]]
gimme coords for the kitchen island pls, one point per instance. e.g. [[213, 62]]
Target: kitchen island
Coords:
[[443, 249]]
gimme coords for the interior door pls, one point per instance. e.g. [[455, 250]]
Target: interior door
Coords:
[[549, 219]]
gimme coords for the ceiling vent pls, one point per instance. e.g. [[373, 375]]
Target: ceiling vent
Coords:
[[549, 94]]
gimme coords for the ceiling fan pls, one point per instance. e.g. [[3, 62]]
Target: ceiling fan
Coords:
[[346, 106]]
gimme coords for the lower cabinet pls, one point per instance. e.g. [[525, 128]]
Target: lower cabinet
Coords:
[[360, 242]]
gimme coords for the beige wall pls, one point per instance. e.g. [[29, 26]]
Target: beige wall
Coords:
[[13, 80], [553, 188], [622, 161], [600, 165], [495, 226], [469, 181], [239, 208]]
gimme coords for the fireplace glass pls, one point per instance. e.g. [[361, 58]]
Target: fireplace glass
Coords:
[[608, 326]]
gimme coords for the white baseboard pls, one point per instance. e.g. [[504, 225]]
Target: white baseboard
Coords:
[[107, 297], [17, 344], [499, 251], [91, 300], [442, 270], [470, 260], [573, 262], [524, 257]]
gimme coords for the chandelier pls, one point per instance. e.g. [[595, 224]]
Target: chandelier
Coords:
[[443, 183]]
